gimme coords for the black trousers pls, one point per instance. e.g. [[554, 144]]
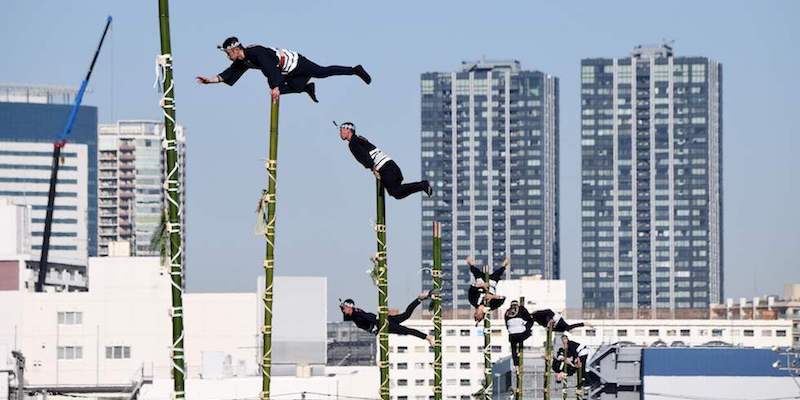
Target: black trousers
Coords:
[[563, 326], [296, 81], [517, 340], [396, 320], [392, 180], [495, 276]]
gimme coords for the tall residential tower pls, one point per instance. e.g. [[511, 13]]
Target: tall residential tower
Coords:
[[490, 146], [651, 141]]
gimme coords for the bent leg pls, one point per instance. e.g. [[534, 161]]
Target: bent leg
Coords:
[[407, 313]]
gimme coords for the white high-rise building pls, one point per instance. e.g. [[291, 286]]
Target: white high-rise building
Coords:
[[131, 174], [25, 169]]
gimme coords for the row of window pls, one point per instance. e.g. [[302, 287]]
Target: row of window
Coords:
[[685, 332], [448, 382], [447, 349], [76, 352]]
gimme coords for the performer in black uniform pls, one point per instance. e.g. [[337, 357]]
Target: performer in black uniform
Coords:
[[547, 318], [382, 166], [481, 292], [518, 323], [571, 357], [286, 71], [369, 321]]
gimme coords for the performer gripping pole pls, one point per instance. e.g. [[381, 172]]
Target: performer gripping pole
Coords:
[[521, 362], [173, 192], [369, 322], [481, 293], [548, 361], [436, 274], [487, 339], [382, 166], [287, 71], [549, 319], [518, 323]]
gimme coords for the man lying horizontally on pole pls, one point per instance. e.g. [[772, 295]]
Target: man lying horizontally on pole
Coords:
[[381, 165], [481, 292], [287, 71], [369, 321]]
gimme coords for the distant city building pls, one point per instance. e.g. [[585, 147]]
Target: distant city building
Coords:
[[131, 177], [490, 147], [25, 170], [18, 268], [651, 140], [350, 346], [766, 307], [37, 114]]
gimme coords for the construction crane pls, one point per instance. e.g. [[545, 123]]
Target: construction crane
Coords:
[[58, 145]]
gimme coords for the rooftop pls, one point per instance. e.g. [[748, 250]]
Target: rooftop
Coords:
[[37, 94]]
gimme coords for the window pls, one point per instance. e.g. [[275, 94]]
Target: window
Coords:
[[419, 382], [591, 332], [652, 332], [748, 332], [402, 349], [622, 332], [450, 365], [780, 333], [464, 349], [419, 365], [684, 332], [70, 352], [639, 332], [70, 318], [464, 332], [118, 352], [766, 332], [402, 365], [464, 382], [464, 365], [450, 332], [450, 382], [671, 332], [402, 382], [420, 349], [497, 349], [716, 332]]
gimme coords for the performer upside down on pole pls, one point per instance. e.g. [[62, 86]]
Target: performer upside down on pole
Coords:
[[287, 71], [369, 321], [482, 292]]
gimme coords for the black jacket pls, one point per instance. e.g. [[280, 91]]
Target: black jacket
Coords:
[[541, 317], [257, 57], [523, 314], [364, 320], [474, 296], [361, 147]]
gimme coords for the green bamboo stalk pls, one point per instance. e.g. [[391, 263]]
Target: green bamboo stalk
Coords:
[[518, 392], [579, 385], [436, 273], [487, 343], [172, 194], [564, 388], [548, 362], [269, 258], [383, 289]]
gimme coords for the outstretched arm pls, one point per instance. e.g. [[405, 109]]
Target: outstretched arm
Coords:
[[205, 80]]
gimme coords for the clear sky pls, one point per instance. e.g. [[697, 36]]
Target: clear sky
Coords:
[[326, 200]]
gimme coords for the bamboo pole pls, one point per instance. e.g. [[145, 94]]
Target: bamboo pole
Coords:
[[487, 342], [548, 362], [269, 259], [383, 289], [173, 192], [579, 384], [436, 274], [520, 374], [564, 388]]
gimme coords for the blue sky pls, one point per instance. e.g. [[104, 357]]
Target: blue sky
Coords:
[[326, 199]]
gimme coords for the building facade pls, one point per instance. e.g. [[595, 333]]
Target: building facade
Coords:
[[489, 141], [349, 345], [131, 177], [37, 114], [651, 142], [25, 169]]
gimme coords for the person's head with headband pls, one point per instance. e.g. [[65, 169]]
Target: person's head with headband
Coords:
[[513, 309], [346, 130], [347, 307], [232, 48]]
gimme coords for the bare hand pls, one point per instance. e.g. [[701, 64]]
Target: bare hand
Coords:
[[276, 93], [506, 262], [376, 173], [205, 81], [470, 261]]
